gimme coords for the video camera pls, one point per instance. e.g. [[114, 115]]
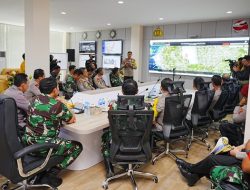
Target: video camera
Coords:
[[232, 63]]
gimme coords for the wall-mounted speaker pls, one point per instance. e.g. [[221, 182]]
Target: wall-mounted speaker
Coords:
[[71, 55]]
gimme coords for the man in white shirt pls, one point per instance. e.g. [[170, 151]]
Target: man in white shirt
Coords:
[[216, 82]]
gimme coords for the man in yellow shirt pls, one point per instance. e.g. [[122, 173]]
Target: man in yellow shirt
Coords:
[[22, 66]]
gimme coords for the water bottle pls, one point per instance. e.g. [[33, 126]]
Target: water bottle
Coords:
[[86, 108]]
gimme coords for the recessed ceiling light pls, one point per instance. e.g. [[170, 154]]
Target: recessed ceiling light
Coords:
[[229, 12], [161, 18], [120, 2], [63, 13], [109, 24]]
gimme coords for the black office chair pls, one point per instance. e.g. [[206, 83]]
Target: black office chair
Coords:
[[217, 113], [200, 118], [206, 85], [16, 163], [179, 85], [131, 131], [174, 125], [233, 89]]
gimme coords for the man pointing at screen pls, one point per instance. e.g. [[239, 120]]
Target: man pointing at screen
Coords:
[[128, 65]]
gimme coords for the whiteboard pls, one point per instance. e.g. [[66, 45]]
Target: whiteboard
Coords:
[[63, 60]]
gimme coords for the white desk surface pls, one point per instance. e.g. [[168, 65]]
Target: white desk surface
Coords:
[[87, 124]]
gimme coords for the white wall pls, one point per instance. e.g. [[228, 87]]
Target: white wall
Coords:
[[15, 45], [12, 40], [121, 34], [58, 42], [184, 31]]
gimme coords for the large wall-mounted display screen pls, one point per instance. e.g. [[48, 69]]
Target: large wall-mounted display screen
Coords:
[[87, 47], [196, 56], [111, 61], [112, 47]]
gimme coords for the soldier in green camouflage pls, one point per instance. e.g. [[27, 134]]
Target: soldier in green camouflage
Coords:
[[45, 116], [115, 78], [71, 82], [129, 87]]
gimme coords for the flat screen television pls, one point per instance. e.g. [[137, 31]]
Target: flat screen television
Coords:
[[87, 47], [196, 56], [112, 47], [111, 61]]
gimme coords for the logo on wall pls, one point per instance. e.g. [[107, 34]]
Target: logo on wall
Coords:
[[158, 32], [240, 25]]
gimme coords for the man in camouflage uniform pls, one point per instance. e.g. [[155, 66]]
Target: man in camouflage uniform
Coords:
[[45, 116], [115, 78], [71, 83], [129, 87]]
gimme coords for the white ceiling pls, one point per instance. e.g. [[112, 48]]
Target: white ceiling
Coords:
[[95, 14]]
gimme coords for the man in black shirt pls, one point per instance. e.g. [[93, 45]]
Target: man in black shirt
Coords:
[[243, 75], [90, 63]]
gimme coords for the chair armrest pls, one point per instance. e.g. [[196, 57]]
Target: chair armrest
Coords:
[[34, 148]]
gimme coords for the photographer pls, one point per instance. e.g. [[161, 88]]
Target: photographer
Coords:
[[242, 74]]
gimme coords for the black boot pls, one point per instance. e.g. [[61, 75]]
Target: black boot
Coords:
[[109, 168]]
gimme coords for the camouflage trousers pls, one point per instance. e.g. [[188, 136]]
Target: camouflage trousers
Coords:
[[106, 143], [67, 148]]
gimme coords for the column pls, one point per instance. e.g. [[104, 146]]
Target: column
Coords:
[[136, 48], [37, 36], [247, 125]]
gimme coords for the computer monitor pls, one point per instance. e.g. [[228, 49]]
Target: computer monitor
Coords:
[[136, 101]]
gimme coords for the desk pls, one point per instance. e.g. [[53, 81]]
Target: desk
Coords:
[[88, 129]]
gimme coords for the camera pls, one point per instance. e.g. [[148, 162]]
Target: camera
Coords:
[[232, 63]]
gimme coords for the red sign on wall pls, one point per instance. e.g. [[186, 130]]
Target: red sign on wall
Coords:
[[240, 25]]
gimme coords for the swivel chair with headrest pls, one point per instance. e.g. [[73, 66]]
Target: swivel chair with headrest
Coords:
[[16, 162], [174, 125], [200, 118], [179, 85], [206, 85], [233, 89], [130, 131], [218, 112]]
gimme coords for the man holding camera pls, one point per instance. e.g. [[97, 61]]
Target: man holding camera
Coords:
[[243, 74]]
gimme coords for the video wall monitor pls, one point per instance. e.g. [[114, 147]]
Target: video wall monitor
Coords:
[[87, 47], [83, 58], [111, 61], [124, 102], [196, 57], [112, 47]]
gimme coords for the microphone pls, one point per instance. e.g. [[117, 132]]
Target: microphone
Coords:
[[174, 73], [153, 87], [143, 91]]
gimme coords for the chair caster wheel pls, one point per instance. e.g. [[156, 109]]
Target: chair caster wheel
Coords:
[[186, 156], [208, 148], [4, 186], [153, 162], [105, 186], [155, 179]]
